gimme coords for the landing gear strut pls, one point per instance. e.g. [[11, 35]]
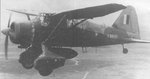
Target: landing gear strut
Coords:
[[125, 50], [84, 49]]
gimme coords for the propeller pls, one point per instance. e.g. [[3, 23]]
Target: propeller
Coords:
[[6, 39]]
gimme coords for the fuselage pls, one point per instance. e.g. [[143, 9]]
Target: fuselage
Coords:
[[85, 34], [84, 37]]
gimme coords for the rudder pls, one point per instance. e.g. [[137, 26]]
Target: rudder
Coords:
[[128, 22]]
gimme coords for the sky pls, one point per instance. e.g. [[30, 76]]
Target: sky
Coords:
[[56, 6]]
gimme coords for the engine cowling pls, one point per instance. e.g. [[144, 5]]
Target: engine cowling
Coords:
[[21, 33]]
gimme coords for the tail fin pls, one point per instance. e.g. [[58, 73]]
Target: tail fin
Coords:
[[128, 22]]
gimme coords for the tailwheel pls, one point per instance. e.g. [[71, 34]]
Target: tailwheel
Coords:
[[125, 50]]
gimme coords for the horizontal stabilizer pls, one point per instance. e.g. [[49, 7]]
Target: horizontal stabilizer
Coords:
[[137, 41]]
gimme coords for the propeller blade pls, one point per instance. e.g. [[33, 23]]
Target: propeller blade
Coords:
[[6, 39], [9, 20], [6, 47]]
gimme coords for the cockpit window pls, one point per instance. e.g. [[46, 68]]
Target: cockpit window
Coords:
[[72, 22], [45, 19]]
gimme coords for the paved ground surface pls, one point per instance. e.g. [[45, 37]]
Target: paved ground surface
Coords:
[[107, 62]]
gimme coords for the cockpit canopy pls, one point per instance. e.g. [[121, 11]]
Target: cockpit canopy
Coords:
[[45, 18]]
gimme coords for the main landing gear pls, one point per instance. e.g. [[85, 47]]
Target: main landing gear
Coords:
[[125, 50], [46, 65], [28, 57]]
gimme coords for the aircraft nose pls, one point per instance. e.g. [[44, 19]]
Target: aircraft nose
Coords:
[[5, 31]]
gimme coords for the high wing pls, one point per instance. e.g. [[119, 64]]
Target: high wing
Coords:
[[92, 12], [26, 13], [85, 13]]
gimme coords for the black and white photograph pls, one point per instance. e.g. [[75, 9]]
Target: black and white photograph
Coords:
[[74, 39]]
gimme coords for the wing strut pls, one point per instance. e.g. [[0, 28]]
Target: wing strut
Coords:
[[79, 23], [55, 28], [28, 17]]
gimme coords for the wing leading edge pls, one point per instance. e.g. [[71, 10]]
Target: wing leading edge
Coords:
[[26, 13], [92, 12], [85, 13]]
